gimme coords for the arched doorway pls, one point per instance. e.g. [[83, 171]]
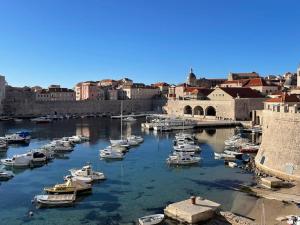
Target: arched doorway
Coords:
[[210, 111], [187, 110], [198, 111]]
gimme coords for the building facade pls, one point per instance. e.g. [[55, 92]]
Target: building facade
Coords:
[[55, 93]]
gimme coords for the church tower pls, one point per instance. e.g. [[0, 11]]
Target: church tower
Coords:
[[191, 78]]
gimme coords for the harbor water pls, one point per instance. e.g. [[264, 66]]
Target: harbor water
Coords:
[[139, 185]]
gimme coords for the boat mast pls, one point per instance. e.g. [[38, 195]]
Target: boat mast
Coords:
[[121, 119]]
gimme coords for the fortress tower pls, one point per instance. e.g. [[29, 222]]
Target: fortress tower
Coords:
[[279, 153]]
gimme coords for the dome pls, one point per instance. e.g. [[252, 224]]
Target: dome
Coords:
[[191, 78]]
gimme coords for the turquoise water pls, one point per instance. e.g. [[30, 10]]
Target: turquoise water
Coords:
[[139, 185]]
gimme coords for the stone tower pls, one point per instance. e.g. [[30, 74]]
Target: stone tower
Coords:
[[191, 78], [279, 151]]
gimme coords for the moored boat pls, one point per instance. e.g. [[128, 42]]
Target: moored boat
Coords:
[[4, 176], [19, 137], [111, 154], [183, 159], [87, 174], [55, 200], [70, 186], [151, 220]]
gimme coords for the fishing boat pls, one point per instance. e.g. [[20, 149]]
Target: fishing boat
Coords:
[[129, 119], [4, 176], [86, 174], [70, 186], [183, 159], [19, 137], [55, 200], [152, 219], [231, 164], [111, 154]]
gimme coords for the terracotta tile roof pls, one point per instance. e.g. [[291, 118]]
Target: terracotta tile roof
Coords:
[[256, 82], [196, 90], [240, 81], [241, 92], [284, 98]]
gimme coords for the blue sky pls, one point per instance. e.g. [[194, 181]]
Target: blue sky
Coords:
[[63, 42]]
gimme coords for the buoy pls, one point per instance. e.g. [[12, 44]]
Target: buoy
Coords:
[[30, 214]]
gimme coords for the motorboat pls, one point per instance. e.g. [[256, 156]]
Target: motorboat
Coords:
[[17, 120], [19, 137], [55, 200], [183, 159], [183, 147], [117, 148], [138, 139], [42, 119], [4, 176], [70, 186], [22, 160], [59, 146], [129, 119], [121, 142], [236, 154], [111, 154], [86, 174], [152, 219], [231, 164]]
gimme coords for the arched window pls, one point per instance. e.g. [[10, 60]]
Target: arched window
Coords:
[[210, 111], [198, 110]]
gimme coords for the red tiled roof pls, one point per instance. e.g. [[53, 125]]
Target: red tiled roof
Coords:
[[284, 98], [241, 92], [254, 82], [242, 81], [196, 90]]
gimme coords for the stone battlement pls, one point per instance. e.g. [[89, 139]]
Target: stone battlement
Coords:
[[283, 108]]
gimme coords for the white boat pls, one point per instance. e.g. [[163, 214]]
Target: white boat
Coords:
[[183, 159], [110, 154], [225, 156], [42, 119], [19, 137], [55, 200], [22, 160], [117, 148], [17, 120], [228, 152], [86, 174], [4, 176], [183, 147], [151, 220], [293, 220], [138, 139], [129, 119]]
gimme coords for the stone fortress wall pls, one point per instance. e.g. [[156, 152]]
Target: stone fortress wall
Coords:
[[35, 108], [279, 153]]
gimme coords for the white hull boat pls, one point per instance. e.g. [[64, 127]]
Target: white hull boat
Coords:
[[5, 176], [86, 174], [183, 159], [55, 200], [129, 119], [19, 137], [151, 220], [110, 154]]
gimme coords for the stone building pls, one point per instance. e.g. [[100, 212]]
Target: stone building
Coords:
[[239, 76], [221, 103], [163, 87], [89, 90], [202, 82], [55, 93], [140, 92], [279, 151]]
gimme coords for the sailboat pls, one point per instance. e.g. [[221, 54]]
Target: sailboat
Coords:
[[121, 141]]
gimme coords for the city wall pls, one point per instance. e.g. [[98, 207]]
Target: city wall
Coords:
[[34, 108], [279, 153]]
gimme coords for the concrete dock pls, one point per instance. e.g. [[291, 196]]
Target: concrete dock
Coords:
[[187, 212]]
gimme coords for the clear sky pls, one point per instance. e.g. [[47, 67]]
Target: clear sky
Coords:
[[63, 42]]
